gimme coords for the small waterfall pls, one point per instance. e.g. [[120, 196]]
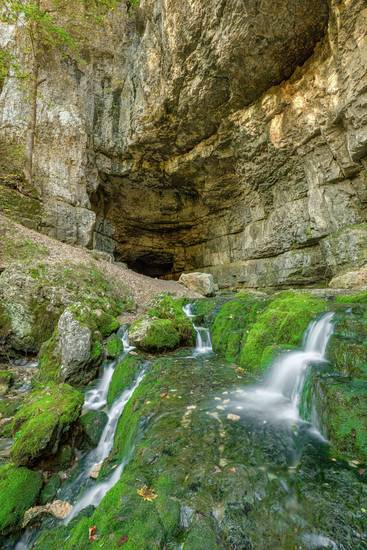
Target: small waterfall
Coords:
[[97, 397], [94, 494], [203, 340], [279, 396]]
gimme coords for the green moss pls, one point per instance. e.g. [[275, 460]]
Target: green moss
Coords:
[[233, 322], [19, 488], [96, 351], [41, 421], [50, 489], [282, 323], [357, 298], [167, 307], [6, 379], [123, 376], [344, 415], [114, 346], [204, 310], [93, 423], [49, 361], [154, 335], [347, 349]]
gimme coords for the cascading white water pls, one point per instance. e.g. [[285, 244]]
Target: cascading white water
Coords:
[[97, 397], [94, 494], [203, 340], [278, 397]]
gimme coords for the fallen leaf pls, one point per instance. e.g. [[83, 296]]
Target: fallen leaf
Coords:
[[240, 370], [164, 395], [146, 493], [361, 471], [92, 533], [232, 470], [123, 540]]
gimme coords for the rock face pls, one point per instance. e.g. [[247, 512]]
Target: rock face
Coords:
[[242, 127]]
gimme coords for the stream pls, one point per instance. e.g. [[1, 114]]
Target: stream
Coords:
[[283, 457]]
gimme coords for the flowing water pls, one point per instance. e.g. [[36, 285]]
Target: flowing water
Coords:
[[278, 398], [203, 340], [82, 491], [288, 494]]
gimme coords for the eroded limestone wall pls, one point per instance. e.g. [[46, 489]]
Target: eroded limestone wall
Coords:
[[225, 136]]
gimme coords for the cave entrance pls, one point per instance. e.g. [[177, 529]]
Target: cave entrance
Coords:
[[153, 264]]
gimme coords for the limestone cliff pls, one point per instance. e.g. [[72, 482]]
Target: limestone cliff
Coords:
[[229, 136]]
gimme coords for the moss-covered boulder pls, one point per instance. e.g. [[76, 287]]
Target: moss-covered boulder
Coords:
[[164, 327], [347, 349], [19, 489], [113, 346], [154, 335], [280, 325], [123, 376], [232, 323], [93, 424], [44, 420], [50, 489], [342, 409]]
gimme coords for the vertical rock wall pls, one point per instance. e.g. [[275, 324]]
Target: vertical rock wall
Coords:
[[230, 137]]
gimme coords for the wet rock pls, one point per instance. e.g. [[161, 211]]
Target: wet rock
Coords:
[[50, 489], [93, 423], [43, 420], [59, 509], [94, 471], [202, 283]]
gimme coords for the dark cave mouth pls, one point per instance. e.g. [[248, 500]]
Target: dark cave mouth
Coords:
[[152, 263]]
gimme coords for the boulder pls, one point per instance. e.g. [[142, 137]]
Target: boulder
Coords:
[[43, 421], [151, 334], [352, 279], [59, 509], [203, 283], [75, 342], [93, 424], [19, 488]]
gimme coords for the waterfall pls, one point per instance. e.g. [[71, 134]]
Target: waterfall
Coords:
[[279, 396], [203, 340], [97, 397], [94, 494]]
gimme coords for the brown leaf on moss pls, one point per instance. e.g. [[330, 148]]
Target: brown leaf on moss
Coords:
[[92, 533], [146, 493], [123, 540]]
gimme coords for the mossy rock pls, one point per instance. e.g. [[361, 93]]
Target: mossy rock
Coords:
[[281, 324], [93, 424], [233, 321], [19, 489], [123, 376], [343, 412], [50, 489], [167, 307], [154, 335], [347, 348], [43, 419], [113, 346], [6, 379]]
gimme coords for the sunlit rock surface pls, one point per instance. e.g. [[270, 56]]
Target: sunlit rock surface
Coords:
[[223, 138]]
